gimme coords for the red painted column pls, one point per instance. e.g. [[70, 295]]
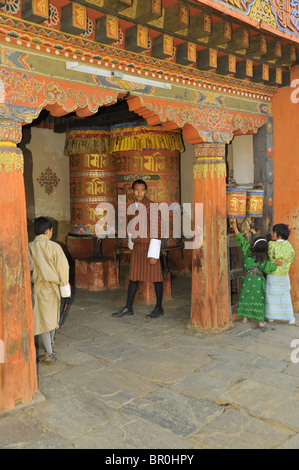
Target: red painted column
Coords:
[[18, 379], [286, 169], [210, 299]]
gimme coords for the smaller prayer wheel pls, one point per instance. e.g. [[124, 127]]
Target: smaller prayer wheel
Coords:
[[236, 203], [254, 203]]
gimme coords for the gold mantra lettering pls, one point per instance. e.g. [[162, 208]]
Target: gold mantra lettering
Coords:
[[237, 205], [163, 192], [152, 163], [84, 213], [93, 187], [255, 204], [91, 160]]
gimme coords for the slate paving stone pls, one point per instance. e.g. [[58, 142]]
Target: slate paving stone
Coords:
[[147, 338], [234, 356], [16, 430], [277, 379], [181, 414], [51, 388], [109, 349], [200, 385], [73, 416], [292, 369], [128, 433], [291, 443], [68, 354], [113, 386], [163, 366], [77, 333], [49, 440], [235, 430], [78, 375], [265, 401], [228, 371], [270, 350], [272, 364]]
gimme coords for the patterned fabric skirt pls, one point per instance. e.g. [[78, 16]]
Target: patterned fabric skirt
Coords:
[[252, 296], [278, 298], [140, 267]]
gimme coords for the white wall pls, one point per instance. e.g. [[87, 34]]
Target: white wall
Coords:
[[47, 151], [243, 163]]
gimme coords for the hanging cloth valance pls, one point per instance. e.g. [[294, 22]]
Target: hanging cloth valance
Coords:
[[87, 141], [144, 137]]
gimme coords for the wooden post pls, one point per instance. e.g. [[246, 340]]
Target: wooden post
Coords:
[[18, 379], [210, 297], [263, 173]]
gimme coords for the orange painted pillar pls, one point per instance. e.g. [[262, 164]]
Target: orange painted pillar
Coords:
[[18, 379], [210, 299], [286, 169]]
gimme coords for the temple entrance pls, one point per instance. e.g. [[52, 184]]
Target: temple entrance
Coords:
[[54, 186]]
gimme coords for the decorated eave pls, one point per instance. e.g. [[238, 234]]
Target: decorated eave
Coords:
[[176, 40]]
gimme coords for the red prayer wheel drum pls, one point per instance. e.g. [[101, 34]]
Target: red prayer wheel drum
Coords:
[[150, 153], [255, 203], [236, 203], [92, 177]]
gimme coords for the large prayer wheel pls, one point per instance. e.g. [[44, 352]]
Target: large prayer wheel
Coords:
[[92, 176], [254, 203], [236, 203], [150, 153]]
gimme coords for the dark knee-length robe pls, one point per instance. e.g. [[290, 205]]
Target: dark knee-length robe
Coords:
[[140, 267]]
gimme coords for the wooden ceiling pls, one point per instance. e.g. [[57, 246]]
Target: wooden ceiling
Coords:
[[181, 31]]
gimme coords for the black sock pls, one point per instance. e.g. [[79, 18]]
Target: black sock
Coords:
[[132, 289], [159, 293]]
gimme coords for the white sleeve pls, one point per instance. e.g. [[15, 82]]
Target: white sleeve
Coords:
[[154, 248]]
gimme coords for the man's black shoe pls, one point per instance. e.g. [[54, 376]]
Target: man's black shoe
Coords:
[[124, 311], [157, 312]]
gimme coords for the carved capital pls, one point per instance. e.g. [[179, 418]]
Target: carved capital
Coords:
[[209, 157], [10, 155]]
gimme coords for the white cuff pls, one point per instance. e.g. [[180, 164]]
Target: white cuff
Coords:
[[65, 291], [154, 249], [130, 242]]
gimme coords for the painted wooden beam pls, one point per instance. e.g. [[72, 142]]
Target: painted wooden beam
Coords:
[[221, 34], [176, 17], [200, 27], [240, 41], [73, 18], [113, 5], [226, 65], [36, 11], [186, 53], [244, 69], [260, 73], [106, 29], [207, 59], [148, 10], [275, 76], [257, 46], [136, 39], [288, 56], [274, 51], [162, 46]]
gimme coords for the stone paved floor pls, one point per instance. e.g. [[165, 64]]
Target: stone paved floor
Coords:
[[137, 383]]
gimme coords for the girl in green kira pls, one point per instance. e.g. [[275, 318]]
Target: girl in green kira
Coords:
[[252, 300]]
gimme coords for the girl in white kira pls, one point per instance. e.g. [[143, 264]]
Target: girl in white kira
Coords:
[[278, 287]]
